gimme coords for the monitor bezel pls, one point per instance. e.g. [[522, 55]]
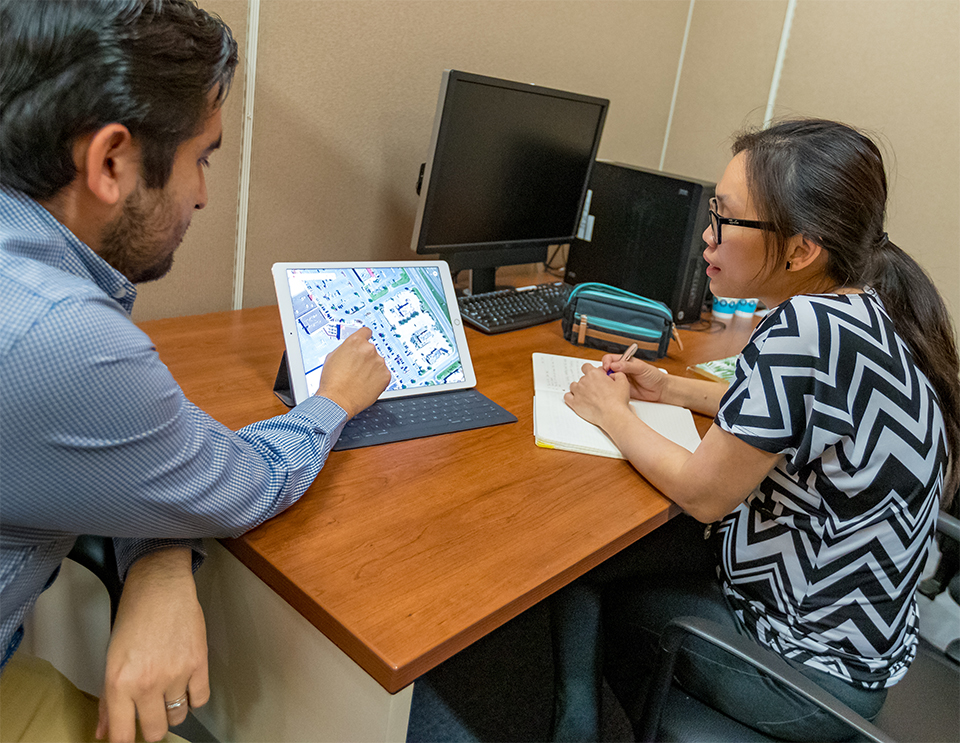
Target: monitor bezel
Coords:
[[450, 78]]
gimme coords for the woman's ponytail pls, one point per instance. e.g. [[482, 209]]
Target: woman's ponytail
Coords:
[[921, 319]]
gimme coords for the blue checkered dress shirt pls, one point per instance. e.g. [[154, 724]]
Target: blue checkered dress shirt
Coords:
[[96, 437]]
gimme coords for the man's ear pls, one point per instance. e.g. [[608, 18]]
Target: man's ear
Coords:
[[802, 252], [109, 163]]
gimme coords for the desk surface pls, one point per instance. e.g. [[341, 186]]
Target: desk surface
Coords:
[[403, 554]]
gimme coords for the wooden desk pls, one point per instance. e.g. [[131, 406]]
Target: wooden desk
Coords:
[[405, 553]]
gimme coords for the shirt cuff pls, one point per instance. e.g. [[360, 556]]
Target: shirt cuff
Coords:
[[130, 550], [330, 416]]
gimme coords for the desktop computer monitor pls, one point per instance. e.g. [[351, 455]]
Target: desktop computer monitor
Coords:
[[506, 175]]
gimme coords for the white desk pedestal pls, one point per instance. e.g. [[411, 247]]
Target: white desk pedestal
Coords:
[[274, 676]]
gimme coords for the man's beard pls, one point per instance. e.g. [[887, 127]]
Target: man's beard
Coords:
[[140, 243]]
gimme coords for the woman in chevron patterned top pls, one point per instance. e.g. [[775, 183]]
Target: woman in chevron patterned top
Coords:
[[821, 477]]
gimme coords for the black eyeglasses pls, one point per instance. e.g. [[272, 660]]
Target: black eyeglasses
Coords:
[[716, 222]]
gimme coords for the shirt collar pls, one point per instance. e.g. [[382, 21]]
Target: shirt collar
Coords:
[[49, 241]]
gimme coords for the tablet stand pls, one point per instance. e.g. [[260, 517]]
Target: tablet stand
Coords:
[[281, 387]]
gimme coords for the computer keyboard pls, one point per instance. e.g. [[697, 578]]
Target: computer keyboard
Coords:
[[513, 309], [400, 419]]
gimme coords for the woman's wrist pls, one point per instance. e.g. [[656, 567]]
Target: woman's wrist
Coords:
[[618, 421], [676, 391], [699, 395]]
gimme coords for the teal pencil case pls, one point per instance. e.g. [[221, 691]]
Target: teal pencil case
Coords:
[[611, 319]]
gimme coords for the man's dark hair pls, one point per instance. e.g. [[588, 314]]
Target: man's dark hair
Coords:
[[70, 67]]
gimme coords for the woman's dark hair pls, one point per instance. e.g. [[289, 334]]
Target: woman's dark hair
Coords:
[[826, 181], [70, 67]]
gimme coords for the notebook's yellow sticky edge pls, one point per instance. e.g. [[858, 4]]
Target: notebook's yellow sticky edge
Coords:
[[542, 445]]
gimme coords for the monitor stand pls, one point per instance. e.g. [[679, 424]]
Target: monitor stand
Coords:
[[483, 280], [483, 264]]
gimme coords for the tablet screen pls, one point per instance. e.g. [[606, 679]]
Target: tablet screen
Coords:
[[405, 306]]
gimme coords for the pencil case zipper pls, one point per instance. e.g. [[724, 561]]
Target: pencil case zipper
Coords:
[[594, 291], [620, 328]]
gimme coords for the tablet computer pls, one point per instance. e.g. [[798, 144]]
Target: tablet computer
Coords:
[[410, 307]]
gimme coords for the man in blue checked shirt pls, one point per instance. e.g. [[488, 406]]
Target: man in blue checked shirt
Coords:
[[109, 112]]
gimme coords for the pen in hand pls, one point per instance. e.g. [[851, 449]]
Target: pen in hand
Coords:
[[627, 355]]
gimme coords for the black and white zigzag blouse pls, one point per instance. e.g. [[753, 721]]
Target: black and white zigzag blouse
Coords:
[[822, 560]]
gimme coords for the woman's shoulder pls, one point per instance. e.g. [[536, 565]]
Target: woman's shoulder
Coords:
[[804, 310], [809, 324], [852, 302]]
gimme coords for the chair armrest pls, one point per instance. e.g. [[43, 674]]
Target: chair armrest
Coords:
[[97, 555], [948, 526], [749, 652]]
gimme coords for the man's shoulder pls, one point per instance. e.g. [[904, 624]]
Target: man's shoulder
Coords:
[[22, 277], [32, 292]]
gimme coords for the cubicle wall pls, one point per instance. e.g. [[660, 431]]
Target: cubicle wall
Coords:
[[344, 92]]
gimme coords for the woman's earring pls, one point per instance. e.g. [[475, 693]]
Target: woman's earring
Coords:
[[788, 265]]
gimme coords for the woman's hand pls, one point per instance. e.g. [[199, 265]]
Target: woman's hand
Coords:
[[599, 396], [647, 382], [651, 384]]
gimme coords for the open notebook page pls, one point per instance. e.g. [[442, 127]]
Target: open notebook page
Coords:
[[556, 425]]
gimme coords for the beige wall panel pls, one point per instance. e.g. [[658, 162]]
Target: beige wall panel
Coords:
[[202, 276], [725, 83], [346, 93], [892, 67]]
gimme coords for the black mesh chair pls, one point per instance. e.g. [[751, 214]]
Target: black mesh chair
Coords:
[[946, 577], [97, 555], [924, 706]]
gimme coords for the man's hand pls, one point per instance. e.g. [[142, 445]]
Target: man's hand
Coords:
[[158, 649], [355, 374]]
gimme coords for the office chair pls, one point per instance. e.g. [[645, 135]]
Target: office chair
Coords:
[[953, 649], [946, 577], [97, 555], [922, 707]]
